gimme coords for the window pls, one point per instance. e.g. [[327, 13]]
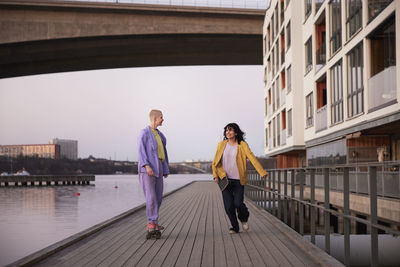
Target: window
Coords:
[[276, 19], [288, 35], [383, 47], [318, 4], [272, 28], [308, 53], [282, 11], [336, 29], [278, 130], [289, 120], [309, 110], [354, 17], [266, 106], [273, 132], [375, 7], [277, 94], [355, 87], [273, 98], [307, 8], [289, 78], [337, 93], [265, 45]]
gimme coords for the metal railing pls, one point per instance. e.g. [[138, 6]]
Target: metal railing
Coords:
[[298, 196], [250, 4]]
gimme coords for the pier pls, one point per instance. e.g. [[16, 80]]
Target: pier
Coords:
[[46, 180], [195, 234]]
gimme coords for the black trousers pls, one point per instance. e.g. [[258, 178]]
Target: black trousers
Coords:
[[233, 202]]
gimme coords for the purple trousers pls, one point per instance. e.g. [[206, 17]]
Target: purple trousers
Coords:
[[153, 187]]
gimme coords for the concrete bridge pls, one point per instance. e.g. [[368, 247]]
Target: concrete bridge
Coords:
[[39, 37]]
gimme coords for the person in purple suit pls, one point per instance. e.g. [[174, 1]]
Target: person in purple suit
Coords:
[[152, 167]]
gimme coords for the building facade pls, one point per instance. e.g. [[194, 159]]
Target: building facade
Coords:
[[68, 148], [42, 151], [331, 82]]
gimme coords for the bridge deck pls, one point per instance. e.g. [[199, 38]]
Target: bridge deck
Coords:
[[196, 234]]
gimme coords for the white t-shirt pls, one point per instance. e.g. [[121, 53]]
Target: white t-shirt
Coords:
[[229, 161]]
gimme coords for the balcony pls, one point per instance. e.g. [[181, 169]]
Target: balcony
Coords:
[[382, 89], [284, 137], [283, 96], [321, 119]]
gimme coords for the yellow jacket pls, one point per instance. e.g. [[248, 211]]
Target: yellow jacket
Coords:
[[243, 153]]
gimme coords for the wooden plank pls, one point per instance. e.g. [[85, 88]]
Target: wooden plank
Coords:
[[207, 258], [184, 255], [219, 248], [161, 248], [176, 249], [230, 250]]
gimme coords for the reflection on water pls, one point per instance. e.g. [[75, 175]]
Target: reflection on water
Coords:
[[34, 218]]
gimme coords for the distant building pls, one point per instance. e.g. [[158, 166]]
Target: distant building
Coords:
[[68, 148], [42, 151], [331, 81]]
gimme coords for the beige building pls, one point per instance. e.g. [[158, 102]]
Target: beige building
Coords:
[[41, 151], [68, 148], [331, 93]]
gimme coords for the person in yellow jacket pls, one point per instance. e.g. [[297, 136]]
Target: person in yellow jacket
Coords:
[[230, 161]]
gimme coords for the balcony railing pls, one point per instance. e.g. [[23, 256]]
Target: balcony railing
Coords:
[[283, 96], [321, 119], [269, 77], [282, 56], [284, 137], [302, 197], [382, 89]]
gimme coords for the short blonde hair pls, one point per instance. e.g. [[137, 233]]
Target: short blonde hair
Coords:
[[153, 113]]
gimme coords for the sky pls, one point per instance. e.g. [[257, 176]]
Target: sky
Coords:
[[106, 109]]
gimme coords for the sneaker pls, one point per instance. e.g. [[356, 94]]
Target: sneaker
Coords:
[[151, 227], [232, 231], [245, 226], [159, 227]]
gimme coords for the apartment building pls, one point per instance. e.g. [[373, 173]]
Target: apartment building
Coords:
[[68, 148], [331, 93], [42, 151]]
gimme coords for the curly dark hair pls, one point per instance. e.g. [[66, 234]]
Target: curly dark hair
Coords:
[[239, 133]]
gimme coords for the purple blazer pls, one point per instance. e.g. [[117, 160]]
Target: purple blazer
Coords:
[[147, 150]]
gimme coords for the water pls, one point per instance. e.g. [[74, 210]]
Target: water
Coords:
[[32, 218]]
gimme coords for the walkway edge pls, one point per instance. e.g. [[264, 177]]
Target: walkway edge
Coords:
[[47, 251], [315, 252]]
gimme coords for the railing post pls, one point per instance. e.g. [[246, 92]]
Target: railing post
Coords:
[[346, 211], [373, 215], [301, 205], [285, 201], [312, 201], [327, 220], [269, 191], [279, 195], [273, 193], [292, 202]]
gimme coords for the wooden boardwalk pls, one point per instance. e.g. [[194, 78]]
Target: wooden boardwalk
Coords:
[[196, 234]]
